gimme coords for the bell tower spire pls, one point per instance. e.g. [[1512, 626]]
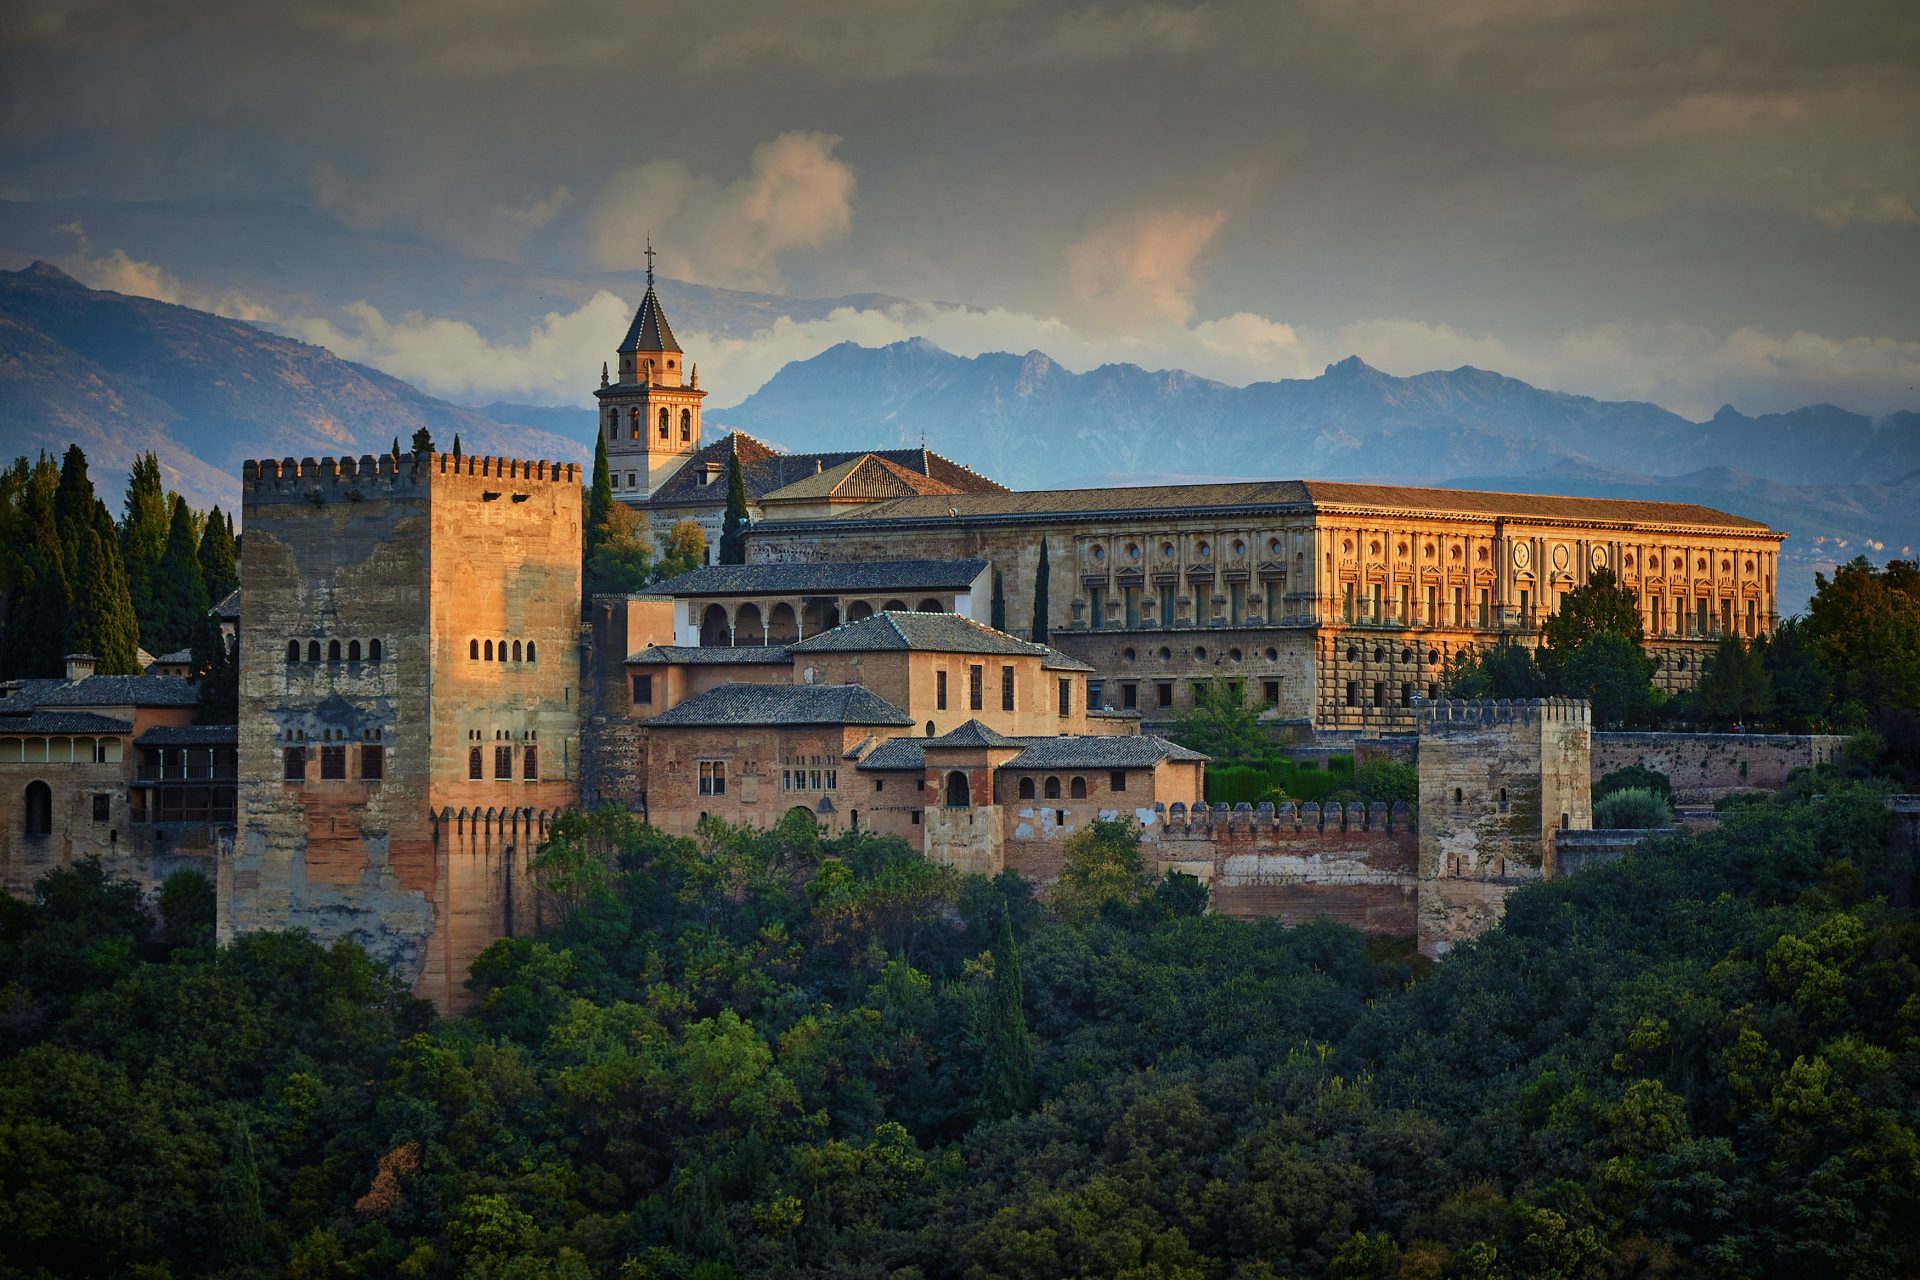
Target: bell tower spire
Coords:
[[651, 413]]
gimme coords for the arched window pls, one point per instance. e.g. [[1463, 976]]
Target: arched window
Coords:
[[663, 424], [930, 732], [293, 651], [686, 425], [1459, 797], [39, 808], [313, 651], [501, 650], [633, 423], [958, 795], [1077, 790], [474, 763], [530, 651], [353, 651], [333, 651], [1026, 788], [489, 651], [1053, 788], [613, 424], [516, 651], [929, 606], [473, 650], [374, 653]]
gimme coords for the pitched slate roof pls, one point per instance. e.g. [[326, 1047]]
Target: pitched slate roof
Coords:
[[17, 697], [1058, 661], [62, 722], [1130, 751], [1281, 495], [649, 330], [711, 655], [123, 691], [867, 478], [1139, 751], [845, 575], [176, 658], [229, 606], [776, 705], [895, 631], [764, 469], [190, 735], [972, 734]]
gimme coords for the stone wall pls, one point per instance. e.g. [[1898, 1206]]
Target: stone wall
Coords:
[[1706, 766], [1577, 851]]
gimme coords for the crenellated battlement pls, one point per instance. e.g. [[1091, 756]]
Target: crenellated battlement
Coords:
[[299, 479], [1449, 714]]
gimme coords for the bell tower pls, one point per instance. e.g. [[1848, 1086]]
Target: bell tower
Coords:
[[650, 415]]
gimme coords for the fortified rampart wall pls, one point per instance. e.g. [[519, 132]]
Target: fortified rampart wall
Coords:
[[1706, 766]]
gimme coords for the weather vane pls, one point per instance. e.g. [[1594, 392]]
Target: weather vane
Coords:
[[649, 259]]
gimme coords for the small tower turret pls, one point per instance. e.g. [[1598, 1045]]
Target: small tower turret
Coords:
[[651, 415]]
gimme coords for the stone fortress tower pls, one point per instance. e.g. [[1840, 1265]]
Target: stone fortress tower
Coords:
[[651, 415], [1497, 780], [409, 701]]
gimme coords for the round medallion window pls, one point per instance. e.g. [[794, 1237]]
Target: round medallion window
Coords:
[[1099, 552], [1199, 653], [1203, 549], [1239, 547], [1273, 655], [1166, 549], [1353, 654], [1133, 551], [1522, 555], [1561, 556], [1273, 546], [1597, 557], [1233, 655], [1126, 655], [1433, 655], [1406, 655], [1166, 654], [1379, 655]]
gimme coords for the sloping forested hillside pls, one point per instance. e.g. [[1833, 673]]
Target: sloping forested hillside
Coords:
[[758, 1055]]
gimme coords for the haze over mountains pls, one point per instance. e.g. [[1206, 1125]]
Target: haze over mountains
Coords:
[[121, 375]]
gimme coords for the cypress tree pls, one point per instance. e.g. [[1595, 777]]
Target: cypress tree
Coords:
[[101, 621], [422, 443], [1007, 1069], [39, 597], [143, 534], [733, 533], [182, 591], [599, 496], [73, 503], [219, 561], [999, 615], [1040, 585], [456, 444], [396, 450]]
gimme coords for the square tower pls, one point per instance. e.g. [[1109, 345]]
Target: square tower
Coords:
[[409, 701], [650, 418]]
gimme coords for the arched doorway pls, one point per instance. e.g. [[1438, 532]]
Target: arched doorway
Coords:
[[714, 629], [820, 615], [39, 807], [959, 795]]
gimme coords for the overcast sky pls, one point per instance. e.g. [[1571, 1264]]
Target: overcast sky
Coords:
[[1693, 202]]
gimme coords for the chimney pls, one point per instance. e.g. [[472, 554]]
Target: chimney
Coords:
[[818, 466], [79, 666]]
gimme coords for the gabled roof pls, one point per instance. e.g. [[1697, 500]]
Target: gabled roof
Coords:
[[1539, 506], [229, 606], [867, 478], [649, 330], [895, 631], [782, 705], [764, 469], [62, 722], [711, 655], [972, 734], [906, 576], [98, 691]]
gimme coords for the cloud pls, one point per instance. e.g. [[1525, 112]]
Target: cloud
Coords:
[[558, 363], [1887, 209], [1142, 271], [120, 273], [445, 206], [796, 194]]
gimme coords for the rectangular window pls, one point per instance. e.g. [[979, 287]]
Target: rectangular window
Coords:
[[940, 690], [1066, 697], [1526, 607], [1459, 618], [102, 807], [1270, 692], [1129, 696], [502, 762], [1379, 693], [1236, 602], [1353, 693], [1406, 604], [976, 679], [916, 817], [1117, 780], [879, 784], [1096, 608], [1006, 688], [1406, 695], [1486, 604], [1700, 616], [373, 762], [1433, 607], [333, 763], [1166, 606], [643, 691], [1095, 694], [531, 769], [713, 777], [1163, 693]]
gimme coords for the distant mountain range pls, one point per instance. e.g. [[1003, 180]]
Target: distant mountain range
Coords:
[[120, 376]]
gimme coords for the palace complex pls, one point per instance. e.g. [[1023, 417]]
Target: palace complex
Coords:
[[423, 689]]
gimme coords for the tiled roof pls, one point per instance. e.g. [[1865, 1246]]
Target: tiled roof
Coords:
[[190, 735], [1058, 661], [764, 469], [1291, 495], [176, 658], [123, 691], [973, 734], [777, 705], [933, 632], [711, 655], [1131, 751], [649, 330], [843, 575], [867, 478], [229, 606], [17, 697], [1090, 752], [62, 722]]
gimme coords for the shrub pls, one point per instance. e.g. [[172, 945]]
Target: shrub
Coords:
[[1637, 777], [1632, 808], [1387, 781]]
